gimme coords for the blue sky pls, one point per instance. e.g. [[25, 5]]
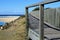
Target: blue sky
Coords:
[[17, 5]]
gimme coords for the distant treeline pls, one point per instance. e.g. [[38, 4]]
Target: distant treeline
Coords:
[[38, 9]]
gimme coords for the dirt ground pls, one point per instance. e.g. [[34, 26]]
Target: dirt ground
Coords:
[[16, 31]]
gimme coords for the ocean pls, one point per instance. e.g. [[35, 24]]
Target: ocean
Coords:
[[2, 23]]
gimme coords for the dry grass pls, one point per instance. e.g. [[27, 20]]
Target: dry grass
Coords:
[[16, 31]]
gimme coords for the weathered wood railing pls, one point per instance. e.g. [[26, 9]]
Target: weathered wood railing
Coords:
[[41, 13]]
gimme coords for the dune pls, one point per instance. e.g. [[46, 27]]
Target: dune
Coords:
[[16, 30], [8, 19]]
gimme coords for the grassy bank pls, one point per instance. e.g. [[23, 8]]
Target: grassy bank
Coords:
[[16, 30]]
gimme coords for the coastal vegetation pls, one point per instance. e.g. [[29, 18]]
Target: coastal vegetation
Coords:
[[16, 30]]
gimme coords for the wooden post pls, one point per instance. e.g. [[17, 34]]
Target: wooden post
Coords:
[[41, 23], [27, 23]]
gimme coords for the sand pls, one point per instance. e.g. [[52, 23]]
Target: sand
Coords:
[[8, 19]]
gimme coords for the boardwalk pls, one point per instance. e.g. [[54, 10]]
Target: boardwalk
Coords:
[[48, 32]]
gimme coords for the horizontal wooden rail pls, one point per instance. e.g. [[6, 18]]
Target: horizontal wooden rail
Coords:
[[44, 2]]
